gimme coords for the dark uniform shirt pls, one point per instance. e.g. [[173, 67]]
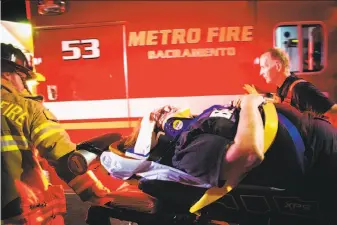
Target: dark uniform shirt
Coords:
[[305, 96]]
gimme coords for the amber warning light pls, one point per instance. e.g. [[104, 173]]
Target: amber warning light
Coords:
[[51, 7]]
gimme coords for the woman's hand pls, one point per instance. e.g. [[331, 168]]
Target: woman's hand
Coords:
[[161, 114], [250, 89]]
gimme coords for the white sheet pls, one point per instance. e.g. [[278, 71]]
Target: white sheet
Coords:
[[123, 168]]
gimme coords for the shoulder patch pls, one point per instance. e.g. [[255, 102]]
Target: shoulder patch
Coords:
[[49, 115]]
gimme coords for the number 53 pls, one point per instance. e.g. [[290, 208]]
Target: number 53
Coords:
[[93, 48]]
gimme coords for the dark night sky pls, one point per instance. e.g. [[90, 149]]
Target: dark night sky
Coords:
[[13, 10]]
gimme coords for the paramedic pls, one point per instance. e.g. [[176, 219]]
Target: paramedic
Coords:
[[291, 89], [27, 126]]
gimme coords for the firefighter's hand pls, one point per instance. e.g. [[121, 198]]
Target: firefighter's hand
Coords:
[[100, 194], [250, 89], [99, 190], [89, 188]]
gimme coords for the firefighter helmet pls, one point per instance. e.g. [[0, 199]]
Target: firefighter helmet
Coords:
[[13, 59]]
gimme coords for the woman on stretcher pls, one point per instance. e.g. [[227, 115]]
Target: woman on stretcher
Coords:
[[226, 143]]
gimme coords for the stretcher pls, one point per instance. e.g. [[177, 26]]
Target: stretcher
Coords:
[[255, 199]]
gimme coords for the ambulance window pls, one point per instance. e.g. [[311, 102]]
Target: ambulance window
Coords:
[[304, 44], [287, 38], [312, 48]]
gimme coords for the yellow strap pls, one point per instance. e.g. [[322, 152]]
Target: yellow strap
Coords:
[[270, 130], [270, 126]]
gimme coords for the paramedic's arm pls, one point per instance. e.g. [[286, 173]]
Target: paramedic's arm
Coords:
[[249, 139], [310, 98]]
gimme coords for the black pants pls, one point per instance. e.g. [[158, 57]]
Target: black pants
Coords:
[[200, 151]]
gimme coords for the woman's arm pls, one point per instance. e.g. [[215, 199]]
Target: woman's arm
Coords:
[[249, 139]]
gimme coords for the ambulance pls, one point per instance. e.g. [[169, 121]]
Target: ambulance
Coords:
[[107, 63]]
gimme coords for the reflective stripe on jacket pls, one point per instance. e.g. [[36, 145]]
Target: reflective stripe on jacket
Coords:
[[27, 125]]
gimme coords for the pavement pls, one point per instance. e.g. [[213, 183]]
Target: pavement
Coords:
[[77, 212]]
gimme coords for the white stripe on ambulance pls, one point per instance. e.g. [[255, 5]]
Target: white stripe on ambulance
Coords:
[[118, 108]]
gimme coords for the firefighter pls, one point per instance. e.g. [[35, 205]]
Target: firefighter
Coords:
[[291, 89], [26, 124]]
